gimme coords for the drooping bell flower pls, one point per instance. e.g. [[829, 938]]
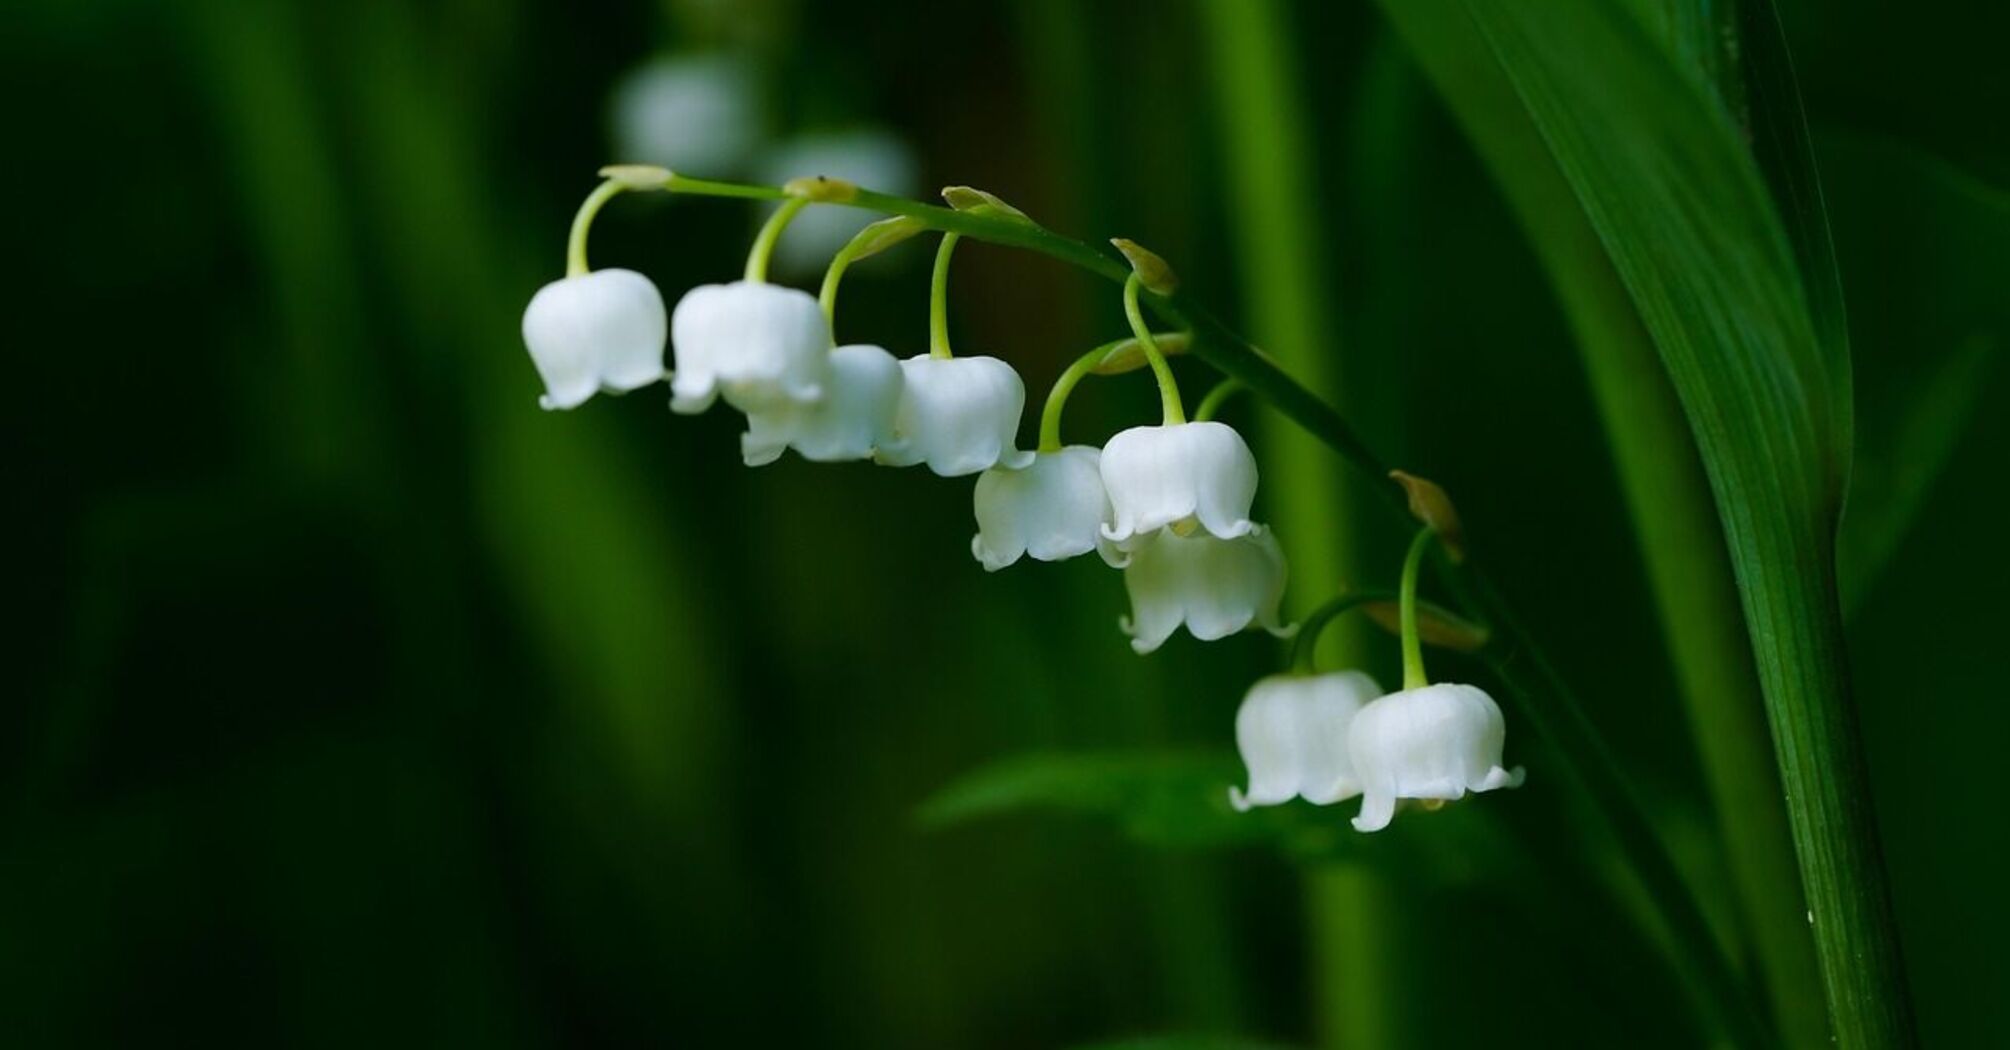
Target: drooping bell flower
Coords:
[[761, 346], [1052, 509], [1292, 731], [1433, 743], [1214, 587], [596, 331], [959, 415], [852, 420], [1187, 477]]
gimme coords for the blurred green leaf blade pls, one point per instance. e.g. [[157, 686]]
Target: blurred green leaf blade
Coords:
[[1173, 799], [1684, 213]]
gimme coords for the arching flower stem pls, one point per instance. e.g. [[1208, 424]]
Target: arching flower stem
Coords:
[[827, 294], [1057, 398], [771, 231], [1549, 701], [1413, 647], [938, 299], [1169, 400], [1211, 404], [1095, 362], [1306, 644], [582, 221]]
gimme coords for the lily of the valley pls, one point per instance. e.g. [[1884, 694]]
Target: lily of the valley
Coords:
[[595, 331], [1187, 477], [1212, 586], [1292, 730], [761, 346], [958, 415], [1433, 743], [1052, 509], [851, 421]]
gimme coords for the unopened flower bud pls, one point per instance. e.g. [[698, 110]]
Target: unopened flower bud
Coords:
[[1430, 505]]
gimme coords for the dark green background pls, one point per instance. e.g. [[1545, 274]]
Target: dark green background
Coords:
[[356, 700]]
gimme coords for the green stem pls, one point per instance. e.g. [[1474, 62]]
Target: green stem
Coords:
[[575, 244], [827, 296], [1211, 404], [1551, 706], [771, 231], [1057, 398], [1169, 400], [938, 299], [1305, 647], [1413, 647]]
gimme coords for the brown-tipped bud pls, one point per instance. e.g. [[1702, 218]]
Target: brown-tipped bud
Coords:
[[820, 188], [1129, 355], [1153, 272], [884, 234], [1430, 505], [979, 202], [1435, 626], [637, 176]]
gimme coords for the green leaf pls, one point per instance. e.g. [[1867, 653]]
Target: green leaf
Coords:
[[1663, 481], [1684, 213], [1157, 799]]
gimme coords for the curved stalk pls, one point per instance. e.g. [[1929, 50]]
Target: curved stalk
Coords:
[[582, 221], [1413, 648], [938, 298], [1551, 706], [1210, 405], [771, 231], [1306, 645]]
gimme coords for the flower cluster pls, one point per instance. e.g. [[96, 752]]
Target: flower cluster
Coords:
[[1330, 737], [1168, 503]]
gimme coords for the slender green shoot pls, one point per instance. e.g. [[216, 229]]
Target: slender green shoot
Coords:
[[1305, 647], [771, 231], [1169, 400], [938, 299], [1211, 404], [575, 245], [1413, 646]]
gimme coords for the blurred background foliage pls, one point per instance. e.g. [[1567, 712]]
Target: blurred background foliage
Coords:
[[358, 700]]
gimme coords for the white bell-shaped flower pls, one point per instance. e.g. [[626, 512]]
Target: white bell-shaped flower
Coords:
[[1435, 743], [1053, 508], [598, 331], [854, 418], [761, 345], [1183, 476], [696, 113], [1215, 587], [1292, 732], [959, 415]]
